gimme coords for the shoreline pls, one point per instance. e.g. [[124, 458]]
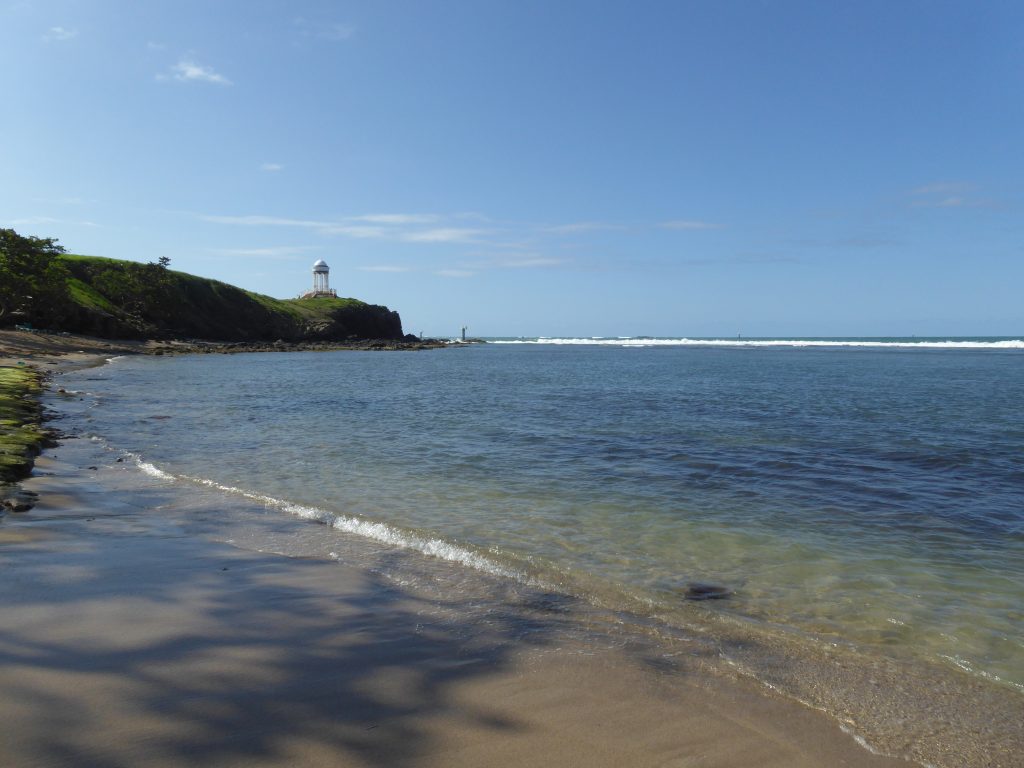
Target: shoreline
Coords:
[[130, 637], [640, 664], [49, 347], [126, 641]]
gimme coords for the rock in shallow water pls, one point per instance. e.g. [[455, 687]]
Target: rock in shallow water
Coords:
[[699, 590], [19, 500]]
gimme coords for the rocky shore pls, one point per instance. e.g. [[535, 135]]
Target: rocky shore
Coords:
[[46, 347], [409, 343]]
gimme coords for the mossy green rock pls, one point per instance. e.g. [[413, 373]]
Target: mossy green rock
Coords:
[[21, 437]]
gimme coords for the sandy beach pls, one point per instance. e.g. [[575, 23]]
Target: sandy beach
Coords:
[[130, 637], [53, 352], [127, 641]]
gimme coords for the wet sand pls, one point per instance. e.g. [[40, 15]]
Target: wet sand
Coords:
[[127, 639], [59, 351], [130, 637]]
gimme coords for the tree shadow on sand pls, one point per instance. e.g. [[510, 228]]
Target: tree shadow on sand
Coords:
[[183, 651]]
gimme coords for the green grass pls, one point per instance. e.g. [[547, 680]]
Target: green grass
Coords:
[[21, 436], [116, 298], [304, 308], [276, 305], [89, 259], [87, 296]]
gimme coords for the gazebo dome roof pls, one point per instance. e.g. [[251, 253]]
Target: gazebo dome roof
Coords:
[[320, 266]]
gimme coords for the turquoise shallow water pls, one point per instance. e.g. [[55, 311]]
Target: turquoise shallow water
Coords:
[[866, 496], [859, 496]]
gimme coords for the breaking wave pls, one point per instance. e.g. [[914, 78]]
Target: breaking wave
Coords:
[[647, 341], [369, 529]]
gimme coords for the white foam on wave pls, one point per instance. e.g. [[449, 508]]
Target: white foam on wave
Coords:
[[432, 547], [150, 469], [369, 529], [968, 667], [687, 342], [377, 531], [848, 730], [845, 725]]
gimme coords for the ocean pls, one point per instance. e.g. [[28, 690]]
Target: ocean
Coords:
[[854, 508]]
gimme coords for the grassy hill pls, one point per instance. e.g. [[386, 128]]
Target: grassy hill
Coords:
[[125, 299]]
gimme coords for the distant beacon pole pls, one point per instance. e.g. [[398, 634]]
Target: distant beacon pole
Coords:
[[320, 285]]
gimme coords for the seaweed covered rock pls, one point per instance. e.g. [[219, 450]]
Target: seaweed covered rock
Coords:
[[21, 436]]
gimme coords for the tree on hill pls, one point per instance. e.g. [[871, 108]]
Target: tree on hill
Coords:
[[33, 281], [143, 292]]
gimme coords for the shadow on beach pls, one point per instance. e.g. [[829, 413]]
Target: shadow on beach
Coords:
[[216, 656], [128, 637]]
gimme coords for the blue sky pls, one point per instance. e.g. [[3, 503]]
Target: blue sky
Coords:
[[540, 168]]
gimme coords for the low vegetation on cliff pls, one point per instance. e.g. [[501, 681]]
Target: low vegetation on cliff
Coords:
[[45, 287]]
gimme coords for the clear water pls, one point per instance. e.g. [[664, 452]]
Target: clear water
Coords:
[[868, 497]]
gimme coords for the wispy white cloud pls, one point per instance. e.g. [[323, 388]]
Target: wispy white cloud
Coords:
[[331, 31], [443, 235], [153, 45], [486, 261], [390, 226], [944, 202], [384, 268], [847, 242], [413, 228], [265, 221], [397, 218], [454, 273], [581, 226], [272, 252], [59, 34], [271, 167], [336, 32], [956, 201], [689, 224], [539, 261], [765, 258], [35, 221], [189, 71], [742, 258], [371, 225], [359, 231], [950, 194], [943, 188]]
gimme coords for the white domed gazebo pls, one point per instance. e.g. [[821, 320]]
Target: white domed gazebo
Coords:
[[320, 284]]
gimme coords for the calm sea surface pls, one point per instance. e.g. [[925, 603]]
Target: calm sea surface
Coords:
[[869, 497]]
